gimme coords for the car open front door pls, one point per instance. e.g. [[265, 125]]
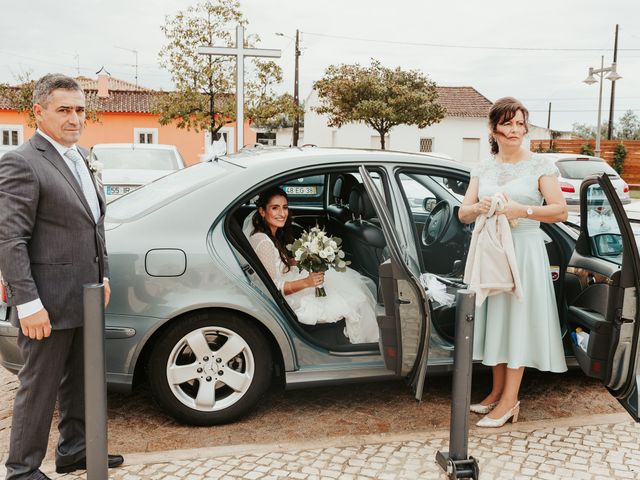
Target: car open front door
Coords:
[[405, 324], [602, 293]]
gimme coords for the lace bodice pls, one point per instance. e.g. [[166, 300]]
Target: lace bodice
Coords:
[[519, 180], [270, 258]]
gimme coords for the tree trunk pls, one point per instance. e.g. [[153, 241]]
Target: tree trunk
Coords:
[[382, 134]]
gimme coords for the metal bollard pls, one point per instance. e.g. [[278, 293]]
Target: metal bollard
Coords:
[[456, 463], [95, 385]]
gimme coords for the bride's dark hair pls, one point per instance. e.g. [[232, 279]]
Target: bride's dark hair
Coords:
[[284, 235]]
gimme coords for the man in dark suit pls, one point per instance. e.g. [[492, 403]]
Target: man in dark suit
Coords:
[[51, 243]]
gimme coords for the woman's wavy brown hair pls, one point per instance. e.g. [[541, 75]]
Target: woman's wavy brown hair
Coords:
[[503, 110]]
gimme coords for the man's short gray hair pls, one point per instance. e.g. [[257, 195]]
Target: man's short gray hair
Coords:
[[51, 82]]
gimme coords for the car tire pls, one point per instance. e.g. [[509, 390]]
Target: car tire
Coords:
[[187, 368]]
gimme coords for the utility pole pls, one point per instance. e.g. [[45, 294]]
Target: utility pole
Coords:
[[296, 99], [549, 128], [613, 87]]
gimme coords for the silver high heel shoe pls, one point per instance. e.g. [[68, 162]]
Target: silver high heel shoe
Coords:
[[482, 409], [498, 422]]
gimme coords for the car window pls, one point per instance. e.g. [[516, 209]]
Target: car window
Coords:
[[305, 191], [175, 185], [136, 158], [416, 193], [579, 169], [418, 187], [604, 233]]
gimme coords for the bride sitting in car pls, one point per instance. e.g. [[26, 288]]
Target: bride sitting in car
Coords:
[[349, 295]]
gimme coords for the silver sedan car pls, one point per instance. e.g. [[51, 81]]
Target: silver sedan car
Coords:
[[194, 313]]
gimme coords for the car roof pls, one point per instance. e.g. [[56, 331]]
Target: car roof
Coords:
[[136, 146], [286, 158], [571, 156]]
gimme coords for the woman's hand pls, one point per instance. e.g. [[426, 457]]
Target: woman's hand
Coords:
[[315, 279], [483, 206], [512, 209]]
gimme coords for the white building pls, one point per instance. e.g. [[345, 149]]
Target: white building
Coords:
[[462, 134]]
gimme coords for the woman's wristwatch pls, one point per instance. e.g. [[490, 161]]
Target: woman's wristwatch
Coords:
[[529, 211]]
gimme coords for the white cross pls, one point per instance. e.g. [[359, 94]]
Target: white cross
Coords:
[[239, 51]]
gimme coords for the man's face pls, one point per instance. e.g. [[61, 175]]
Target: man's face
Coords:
[[62, 117]]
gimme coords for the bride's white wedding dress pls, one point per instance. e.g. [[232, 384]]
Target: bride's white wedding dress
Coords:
[[349, 294]]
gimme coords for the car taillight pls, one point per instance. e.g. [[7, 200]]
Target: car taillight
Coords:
[[3, 294], [567, 187], [625, 189]]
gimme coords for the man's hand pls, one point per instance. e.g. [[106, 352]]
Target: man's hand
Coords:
[[36, 326], [107, 293]]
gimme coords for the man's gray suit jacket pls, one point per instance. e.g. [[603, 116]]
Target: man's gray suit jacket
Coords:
[[50, 245]]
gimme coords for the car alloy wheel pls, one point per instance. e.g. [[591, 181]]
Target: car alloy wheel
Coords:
[[210, 368]]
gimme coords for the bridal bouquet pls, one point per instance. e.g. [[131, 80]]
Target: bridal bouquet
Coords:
[[315, 251]]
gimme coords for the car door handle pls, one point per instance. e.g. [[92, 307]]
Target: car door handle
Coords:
[[591, 279], [402, 302]]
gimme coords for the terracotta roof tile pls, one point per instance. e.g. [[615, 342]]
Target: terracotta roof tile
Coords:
[[121, 101], [115, 84], [463, 102]]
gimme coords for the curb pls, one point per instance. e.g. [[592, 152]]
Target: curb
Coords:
[[168, 456]]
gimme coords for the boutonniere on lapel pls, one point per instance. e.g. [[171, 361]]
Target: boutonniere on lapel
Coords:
[[95, 166]]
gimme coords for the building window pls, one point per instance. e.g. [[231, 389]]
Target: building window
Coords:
[[426, 145], [145, 135], [266, 138], [10, 136]]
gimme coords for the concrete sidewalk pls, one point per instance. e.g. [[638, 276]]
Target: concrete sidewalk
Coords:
[[599, 447]]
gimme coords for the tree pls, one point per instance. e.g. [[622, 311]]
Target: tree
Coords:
[[380, 97], [201, 100], [582, 130], [587, 149], [628, 127], [265, 108], [619, 155]]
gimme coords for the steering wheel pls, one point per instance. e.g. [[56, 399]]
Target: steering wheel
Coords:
[[437, 223]]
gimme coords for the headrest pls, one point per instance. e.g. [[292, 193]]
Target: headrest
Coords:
[[343, 185], [367, 211], [355, 200]]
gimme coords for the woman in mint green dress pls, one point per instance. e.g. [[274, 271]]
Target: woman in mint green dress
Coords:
[[512, 333]]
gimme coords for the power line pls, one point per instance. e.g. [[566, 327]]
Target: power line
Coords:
[[469, 47]]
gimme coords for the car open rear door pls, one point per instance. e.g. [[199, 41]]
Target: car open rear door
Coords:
[[603, 280], [405, 324]]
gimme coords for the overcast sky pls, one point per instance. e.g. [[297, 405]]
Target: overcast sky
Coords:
[[538, 51]]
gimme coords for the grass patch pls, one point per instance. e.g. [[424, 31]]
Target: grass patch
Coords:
[[634, 193]]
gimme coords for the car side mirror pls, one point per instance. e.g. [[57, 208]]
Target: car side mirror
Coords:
[[607, 244], [428, 203]]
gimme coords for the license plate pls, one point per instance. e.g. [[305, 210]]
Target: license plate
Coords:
[[300, 190], [119, 189]]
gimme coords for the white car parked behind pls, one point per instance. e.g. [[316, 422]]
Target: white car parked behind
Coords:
[[574, 168], [128, 166]]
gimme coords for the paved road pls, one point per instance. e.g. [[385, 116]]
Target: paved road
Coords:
[[136, 424]]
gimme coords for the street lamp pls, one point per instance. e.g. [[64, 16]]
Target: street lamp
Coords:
[[590, 80], [296, 100]]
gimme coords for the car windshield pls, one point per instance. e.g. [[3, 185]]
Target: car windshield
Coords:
[[154, 195], [136, 158], [579, 169]]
